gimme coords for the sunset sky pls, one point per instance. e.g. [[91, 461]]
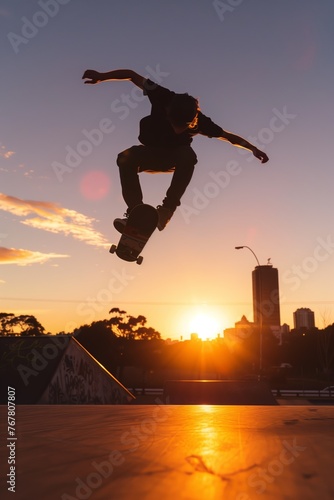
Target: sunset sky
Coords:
[[261, 69]]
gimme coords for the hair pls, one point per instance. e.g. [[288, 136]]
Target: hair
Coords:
[[182, 108]]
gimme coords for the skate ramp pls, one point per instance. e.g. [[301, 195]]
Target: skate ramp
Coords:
[[56, 370]]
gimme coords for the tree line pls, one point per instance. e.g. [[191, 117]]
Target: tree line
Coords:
[[123, 340], [120, 324]]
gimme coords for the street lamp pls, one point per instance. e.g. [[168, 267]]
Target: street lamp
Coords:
[[259, 306], [244, 246]]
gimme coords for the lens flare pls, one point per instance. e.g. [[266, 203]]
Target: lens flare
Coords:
[[95, 185]]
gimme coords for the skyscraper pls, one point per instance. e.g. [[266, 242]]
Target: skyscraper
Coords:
[[266, 306], [303, 318]]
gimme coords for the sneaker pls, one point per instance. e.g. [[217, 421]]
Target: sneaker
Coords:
[[165, 214], [119, 224]]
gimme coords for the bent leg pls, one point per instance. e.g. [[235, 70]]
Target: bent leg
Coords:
[[128, 162], [180, 160], [184, 160]]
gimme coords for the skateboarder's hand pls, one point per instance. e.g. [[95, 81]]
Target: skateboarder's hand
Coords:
[[260, 155], [93, 76]]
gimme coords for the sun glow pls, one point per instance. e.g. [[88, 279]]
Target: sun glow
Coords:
[[204, 324]]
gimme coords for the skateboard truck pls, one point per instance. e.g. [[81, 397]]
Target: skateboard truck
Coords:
[[138, 260]]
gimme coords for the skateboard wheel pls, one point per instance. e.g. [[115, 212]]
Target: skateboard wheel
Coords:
[[140, 260], [113, 249]]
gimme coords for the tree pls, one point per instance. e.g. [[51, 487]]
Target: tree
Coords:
[[23, 324], [131, 328], [4, 323], [99, 339]]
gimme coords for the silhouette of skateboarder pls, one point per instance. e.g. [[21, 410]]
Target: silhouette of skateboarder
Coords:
[[165, 137]]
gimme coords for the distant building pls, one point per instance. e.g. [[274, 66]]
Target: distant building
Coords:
[[170, 341], [244, 327], [285, 328], [242, 330], [303, 318], [266, 307]]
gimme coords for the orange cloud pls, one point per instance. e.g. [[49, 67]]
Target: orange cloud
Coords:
[[23, 257], [54, 218]]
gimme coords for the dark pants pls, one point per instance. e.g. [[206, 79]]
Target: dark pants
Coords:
[[179, 160]]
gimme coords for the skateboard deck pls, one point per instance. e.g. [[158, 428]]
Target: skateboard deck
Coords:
[[142, 222]]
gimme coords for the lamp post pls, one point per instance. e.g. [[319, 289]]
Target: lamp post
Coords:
[[258, 306], [244, 246]]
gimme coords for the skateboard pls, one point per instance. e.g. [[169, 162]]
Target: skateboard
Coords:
[[142, 222]]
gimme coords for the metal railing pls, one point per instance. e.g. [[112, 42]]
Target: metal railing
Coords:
[[278, 393]]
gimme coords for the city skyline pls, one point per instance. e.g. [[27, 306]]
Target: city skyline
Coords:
[[263, 71], [205, 329]]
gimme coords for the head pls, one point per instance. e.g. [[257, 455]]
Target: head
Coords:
[[182, 112]]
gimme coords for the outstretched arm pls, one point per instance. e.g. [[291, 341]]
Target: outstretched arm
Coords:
[[91, 76], [238, 141]]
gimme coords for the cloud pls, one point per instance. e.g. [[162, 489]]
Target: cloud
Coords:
[[25, 257], [5, 153], [54, 218]]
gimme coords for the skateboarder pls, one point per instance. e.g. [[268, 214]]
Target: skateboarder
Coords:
[[165, 137]]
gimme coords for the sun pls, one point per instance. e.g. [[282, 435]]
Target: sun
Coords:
[[204, 324]]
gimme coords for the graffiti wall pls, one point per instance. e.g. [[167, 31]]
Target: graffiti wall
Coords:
[[80, 379], [28, 363]]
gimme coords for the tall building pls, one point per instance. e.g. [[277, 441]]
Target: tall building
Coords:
[[303, 318], [266, 308]]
